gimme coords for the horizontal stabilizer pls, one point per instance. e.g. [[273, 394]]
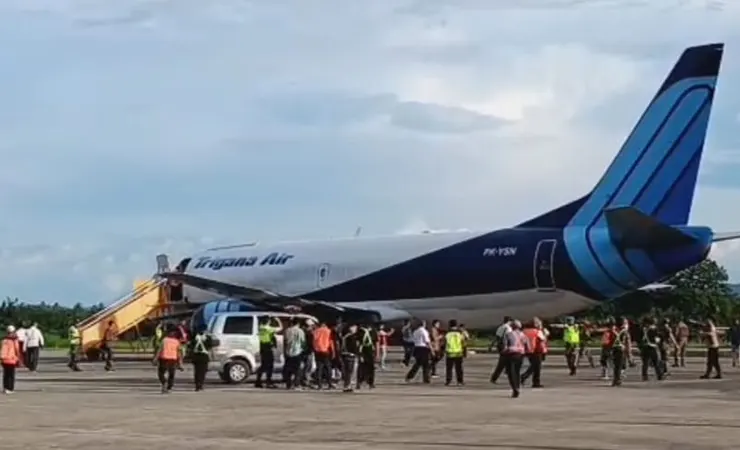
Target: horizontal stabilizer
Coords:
[[719, 237], [630, 228]]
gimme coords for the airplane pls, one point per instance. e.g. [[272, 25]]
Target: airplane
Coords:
[[629, 232]]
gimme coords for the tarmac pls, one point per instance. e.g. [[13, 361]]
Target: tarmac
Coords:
[[55, 408]]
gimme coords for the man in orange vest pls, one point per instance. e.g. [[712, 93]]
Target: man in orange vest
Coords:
[[536, 351], [10, 356], [168, 359], [324, 351]]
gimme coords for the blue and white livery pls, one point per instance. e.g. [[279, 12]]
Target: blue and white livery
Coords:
[[629, 232]]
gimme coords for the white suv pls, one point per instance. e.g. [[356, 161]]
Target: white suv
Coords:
[[236, 347]]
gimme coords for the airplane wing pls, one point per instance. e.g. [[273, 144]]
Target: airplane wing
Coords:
[[719, 237], [265, 299]]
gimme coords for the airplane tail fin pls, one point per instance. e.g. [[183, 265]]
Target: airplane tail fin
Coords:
[[655, 171]]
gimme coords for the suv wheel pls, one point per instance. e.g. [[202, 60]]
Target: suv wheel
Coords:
[[237, 371]]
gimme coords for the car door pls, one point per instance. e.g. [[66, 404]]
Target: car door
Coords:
[[238, 333]]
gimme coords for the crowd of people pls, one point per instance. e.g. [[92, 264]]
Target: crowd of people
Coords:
[[318, 355]]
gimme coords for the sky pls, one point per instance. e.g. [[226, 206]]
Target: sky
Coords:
[[132, 128]]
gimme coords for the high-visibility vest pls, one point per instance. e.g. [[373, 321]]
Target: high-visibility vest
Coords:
[[519, 345], [74, 335], [266, 335], [571, 335], [158, 333], [454, 344], [367, 340], [10, 352], [619, 336], [199, 345], [170, 349], [322, 342], [646, 341], [536, 343]]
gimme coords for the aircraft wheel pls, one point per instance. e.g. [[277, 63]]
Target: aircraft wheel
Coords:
[[237, 371]]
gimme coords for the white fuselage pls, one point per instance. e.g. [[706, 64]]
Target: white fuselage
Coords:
[[301, 268]]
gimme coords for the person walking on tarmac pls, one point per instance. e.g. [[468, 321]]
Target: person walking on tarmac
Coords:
[[11, 358], [619, 341], [537, 349], [109, 335], [383, 337], [498, 341], [34, 343], [585, 332], [437, 336], [74, 347], [516, 345], [168, 359], [712, 341], [422, 354], [200, 347], [182, 335], [607, 339], [368, 349], [454, 353], [324, 350], [667, 342], [351, 343], [268, 343], [294, 346], [682, 336], [407, 339], [572, 339], [649, 341]]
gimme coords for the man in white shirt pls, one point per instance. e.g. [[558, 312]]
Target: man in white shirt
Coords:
[[422, 353], [501, 331], [34, 342]]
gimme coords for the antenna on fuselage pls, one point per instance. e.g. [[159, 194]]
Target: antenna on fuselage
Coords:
[[358, 231]]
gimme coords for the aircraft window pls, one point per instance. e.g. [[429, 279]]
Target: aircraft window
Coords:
[[239, 325]]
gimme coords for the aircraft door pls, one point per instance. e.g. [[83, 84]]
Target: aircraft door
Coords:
[[544, 265], [322, 275]]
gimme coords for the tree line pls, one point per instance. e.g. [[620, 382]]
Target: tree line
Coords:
[[52, 318], [698, 293]]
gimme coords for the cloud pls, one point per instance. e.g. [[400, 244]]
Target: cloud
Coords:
[[142, 126]]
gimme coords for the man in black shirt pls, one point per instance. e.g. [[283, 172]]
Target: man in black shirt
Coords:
[[307, 360], [368, 346], [350, 357], [649, 341]]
